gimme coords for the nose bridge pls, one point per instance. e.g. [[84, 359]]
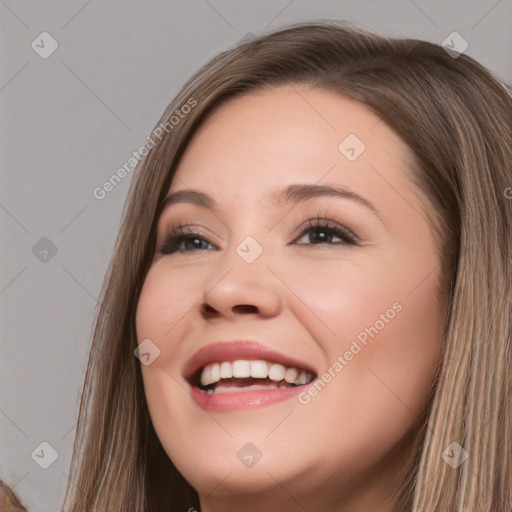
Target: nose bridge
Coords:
[[242, 283], [248, 238]]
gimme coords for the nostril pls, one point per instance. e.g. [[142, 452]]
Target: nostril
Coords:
[[244, 308], [208, 309]]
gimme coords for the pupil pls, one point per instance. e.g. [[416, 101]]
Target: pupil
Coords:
[[318, 236], [193, 243]]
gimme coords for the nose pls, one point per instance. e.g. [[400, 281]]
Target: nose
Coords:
[[242, 289]]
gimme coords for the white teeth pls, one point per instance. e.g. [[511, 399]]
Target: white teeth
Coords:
[[215, 372], [226, 370], [206, 376], [243, 369], [259, 369], [276, 372], [291, 375]]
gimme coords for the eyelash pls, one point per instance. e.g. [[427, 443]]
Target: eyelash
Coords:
[[183, 233]]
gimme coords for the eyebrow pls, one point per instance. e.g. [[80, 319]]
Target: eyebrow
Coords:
[[294, 193]]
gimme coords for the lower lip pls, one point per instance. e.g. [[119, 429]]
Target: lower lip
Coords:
[[226, 402]]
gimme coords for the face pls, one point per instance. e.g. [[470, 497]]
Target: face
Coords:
[[298, 258]]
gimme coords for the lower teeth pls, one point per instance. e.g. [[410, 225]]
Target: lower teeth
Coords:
[[210, 390]]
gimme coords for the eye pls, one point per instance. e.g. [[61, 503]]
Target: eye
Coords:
[[184, 239], [319, 231]]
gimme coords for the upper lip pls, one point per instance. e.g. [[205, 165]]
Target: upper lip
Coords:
[[235, 350]]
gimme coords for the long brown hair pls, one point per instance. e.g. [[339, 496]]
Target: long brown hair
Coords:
[[457, 119]]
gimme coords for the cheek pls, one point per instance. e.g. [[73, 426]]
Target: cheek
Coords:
[[166, 296], [379, 375], [381, 330], [162, 309]]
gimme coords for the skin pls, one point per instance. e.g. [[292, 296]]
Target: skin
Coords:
[[347, 448]]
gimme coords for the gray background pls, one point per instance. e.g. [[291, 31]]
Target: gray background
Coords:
[[70, 121]]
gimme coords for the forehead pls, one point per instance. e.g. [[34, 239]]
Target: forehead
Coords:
[[267, 139]]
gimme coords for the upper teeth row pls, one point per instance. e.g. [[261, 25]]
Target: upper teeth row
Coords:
[[243, 369]]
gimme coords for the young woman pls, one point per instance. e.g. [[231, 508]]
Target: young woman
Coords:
[[308, 307]]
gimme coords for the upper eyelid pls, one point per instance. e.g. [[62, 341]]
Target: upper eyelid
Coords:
[[307, 194], [318, 221], [323, 221], [325, 214]]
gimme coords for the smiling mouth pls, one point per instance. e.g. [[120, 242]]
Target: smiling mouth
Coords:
[[248, 375]]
